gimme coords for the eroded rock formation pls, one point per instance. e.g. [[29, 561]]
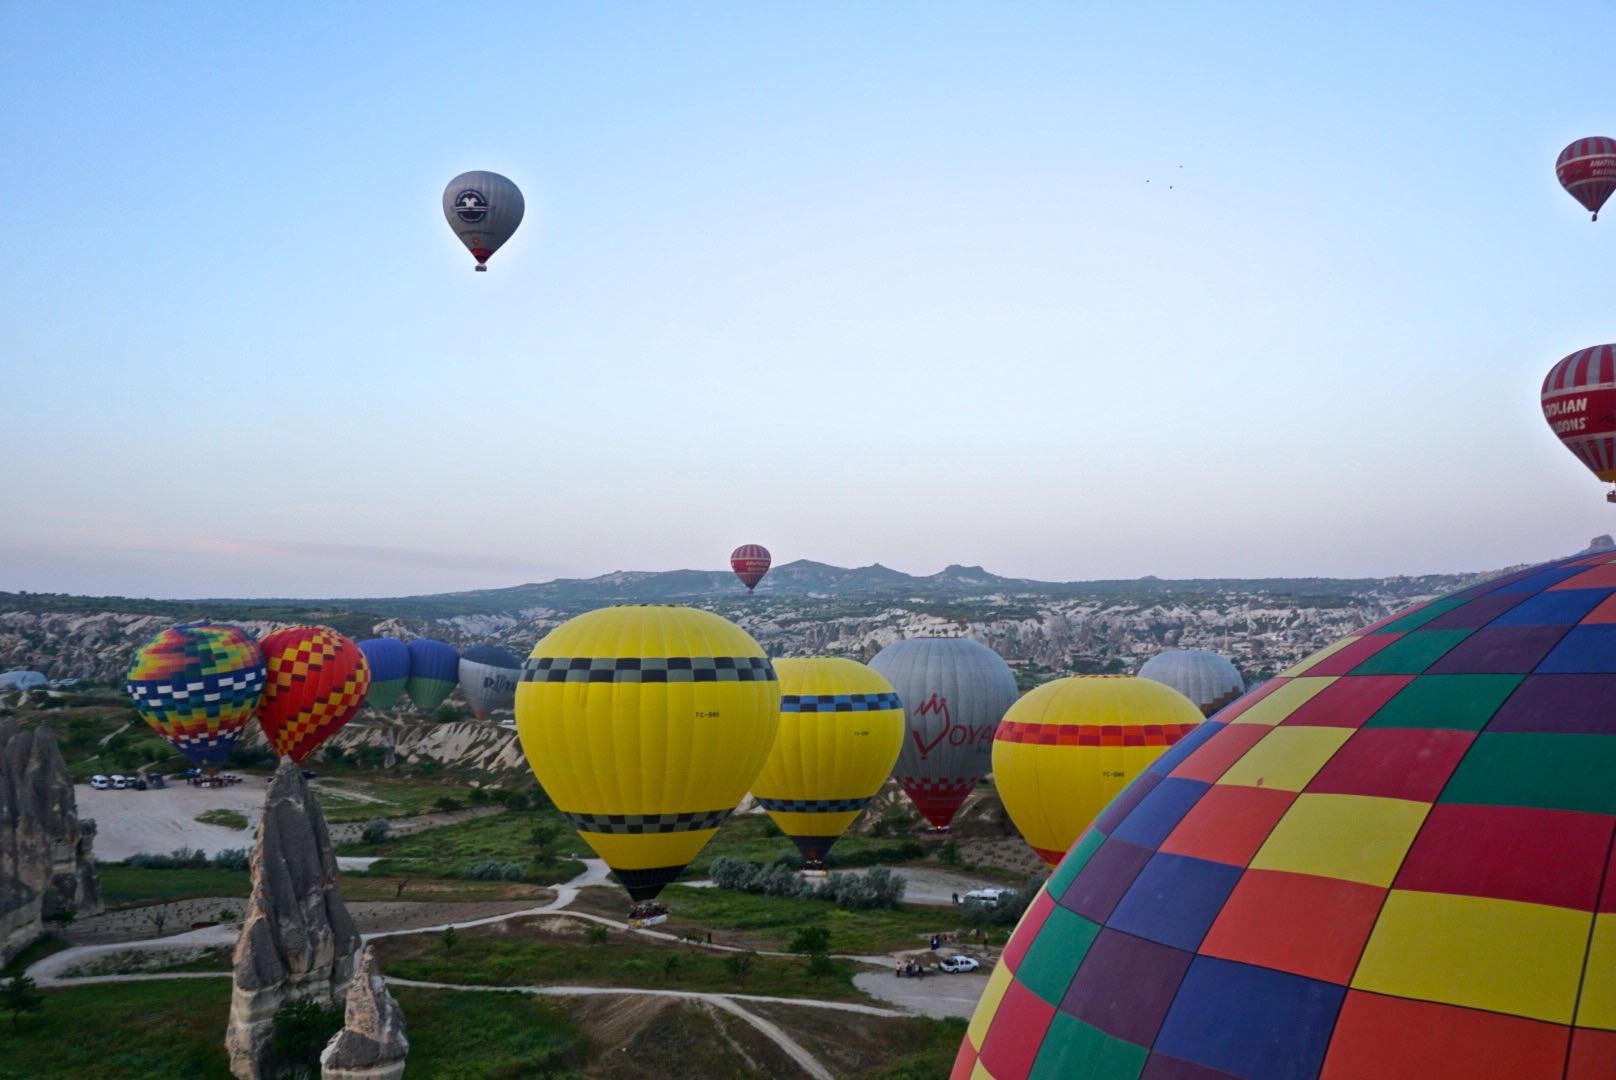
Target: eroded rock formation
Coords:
[[45, 850], [371, 1044], [298, 940]]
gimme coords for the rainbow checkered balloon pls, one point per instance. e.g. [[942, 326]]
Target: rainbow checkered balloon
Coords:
[[1395, 860], [317, 680], [197, 685]]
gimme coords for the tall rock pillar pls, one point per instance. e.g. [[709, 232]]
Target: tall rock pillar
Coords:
[[298, 940], [371, 1044]]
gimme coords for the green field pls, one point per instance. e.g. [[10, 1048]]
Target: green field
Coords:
[[125, 886], [447, 851], [161, 1029], [756, 838], [520, 953], [387, 798], [769, 922]]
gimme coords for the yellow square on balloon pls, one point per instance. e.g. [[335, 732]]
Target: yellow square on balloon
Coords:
[[1287, 757], [1350, 837], [998, 983], [1284, 701], [1597, 1006], [1501, 955]]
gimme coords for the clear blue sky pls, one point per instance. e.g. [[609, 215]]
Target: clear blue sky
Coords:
[[858, 282]]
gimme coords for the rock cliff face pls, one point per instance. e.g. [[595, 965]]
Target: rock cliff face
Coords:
[[298, 940], [463, 744], [371, 1044], [45, 859]]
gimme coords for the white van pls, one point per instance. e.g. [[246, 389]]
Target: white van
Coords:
[[990, 897], [99, 782], [119, 781]]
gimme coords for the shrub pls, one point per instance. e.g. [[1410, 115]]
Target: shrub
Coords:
[[740, 964], [597, 934], [302, 1028], [514, 800], [493, 870], [949, 854], [448, 804], [479, 796], [375, 831], [811, 939], [233, 859]]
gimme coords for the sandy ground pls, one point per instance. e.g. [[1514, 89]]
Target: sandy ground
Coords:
[[937, 995], [157, 822]]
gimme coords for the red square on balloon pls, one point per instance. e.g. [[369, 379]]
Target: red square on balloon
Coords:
[[1229, 823], [1300, 923], [1017, 1032], [1212, 758], [1385, 1036]]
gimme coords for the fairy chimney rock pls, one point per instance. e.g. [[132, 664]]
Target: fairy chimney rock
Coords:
[[298, 940], [371, 1044]]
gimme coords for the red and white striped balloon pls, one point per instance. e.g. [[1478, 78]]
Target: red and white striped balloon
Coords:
[[750, 562]]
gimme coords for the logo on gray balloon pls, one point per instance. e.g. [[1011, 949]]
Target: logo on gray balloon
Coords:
[[471, 206]]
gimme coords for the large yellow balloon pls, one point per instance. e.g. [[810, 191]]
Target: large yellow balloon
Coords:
[[841, 726], [1070, 746], [646, 725]]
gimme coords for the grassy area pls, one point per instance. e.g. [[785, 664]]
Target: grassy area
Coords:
[[378, 798], [527, 952], [769, 922], [161, 1029], [756, 838], [230, 819], [507, 837], [126, 886]]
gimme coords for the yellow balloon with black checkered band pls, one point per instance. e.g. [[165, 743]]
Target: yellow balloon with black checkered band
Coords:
[[841, 726], [646, 725]]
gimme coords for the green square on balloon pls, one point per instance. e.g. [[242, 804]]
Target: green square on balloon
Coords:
[[1412, 653], [1055, 954], [1073, 1048]]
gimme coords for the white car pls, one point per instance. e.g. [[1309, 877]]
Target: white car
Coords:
[[959, 963], [99, 782], [990, 897], [119, 781]]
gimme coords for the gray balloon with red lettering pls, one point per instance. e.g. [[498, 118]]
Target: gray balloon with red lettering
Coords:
[[954, 692]]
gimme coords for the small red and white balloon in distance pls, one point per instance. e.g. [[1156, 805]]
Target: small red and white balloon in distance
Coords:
[[750, 562], [1579, 403], [1587, 170]]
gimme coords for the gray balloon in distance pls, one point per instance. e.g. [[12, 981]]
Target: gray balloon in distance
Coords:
[[1204, 677], [954, 692], [488, 678], [483, 209]]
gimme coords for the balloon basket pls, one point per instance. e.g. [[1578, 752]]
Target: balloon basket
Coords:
[[480, 268]]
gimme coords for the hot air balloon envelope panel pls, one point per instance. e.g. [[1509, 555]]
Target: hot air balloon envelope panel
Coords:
[[1394, 860], [197, 685]]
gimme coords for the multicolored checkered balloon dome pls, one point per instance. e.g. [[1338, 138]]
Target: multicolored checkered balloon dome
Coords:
[[317, 679], [1395, 860], [197, 685]]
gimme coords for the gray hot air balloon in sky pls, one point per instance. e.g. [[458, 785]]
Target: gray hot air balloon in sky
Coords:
[[488, 678], [954, 691], [483, 209], [1204, 677]]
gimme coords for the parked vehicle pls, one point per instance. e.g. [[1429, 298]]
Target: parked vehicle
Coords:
[[958, 964], [99, 782], [157, 782], [990, 897], [119, 781], [138, 783]]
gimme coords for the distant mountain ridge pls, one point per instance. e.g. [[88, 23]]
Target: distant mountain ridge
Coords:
[[802, 578]]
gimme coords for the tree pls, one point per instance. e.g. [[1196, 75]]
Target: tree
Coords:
[[740, 964], [811, 939], [18, 995], [597, 934], [820, 965], [302, 1028], [543, 838], [670, 967], [375, 831], [159, 919], [449, 938]]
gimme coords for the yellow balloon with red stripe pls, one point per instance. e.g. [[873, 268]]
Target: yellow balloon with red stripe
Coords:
[[841, 726], [646, 725], [1070, 746]]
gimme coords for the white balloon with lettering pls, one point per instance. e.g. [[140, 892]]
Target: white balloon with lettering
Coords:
[[954, 692], [483, 209]]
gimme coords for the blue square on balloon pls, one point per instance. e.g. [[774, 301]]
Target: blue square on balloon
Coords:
[[1588, 649], [1128, 798], [1538, 582], [1186, 746], [1174, 900], [1251, 1021], [1159, 812], [1560, 607]]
